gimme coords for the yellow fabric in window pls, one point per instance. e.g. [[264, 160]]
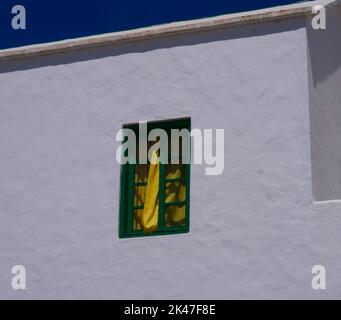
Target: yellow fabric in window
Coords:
[[175, 215], [141, 175], [137, 220], [149, 219]]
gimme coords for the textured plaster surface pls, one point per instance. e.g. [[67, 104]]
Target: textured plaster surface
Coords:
[[255, 232], [324, 56]]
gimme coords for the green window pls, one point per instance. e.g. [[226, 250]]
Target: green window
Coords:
[[170, 186]]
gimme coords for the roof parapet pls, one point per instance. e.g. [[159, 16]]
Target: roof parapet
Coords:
[[175, 28]]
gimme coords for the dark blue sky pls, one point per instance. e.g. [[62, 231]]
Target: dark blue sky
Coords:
[[51, 20]]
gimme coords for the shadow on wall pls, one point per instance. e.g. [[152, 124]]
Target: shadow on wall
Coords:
[[190, 39], [324, 58]]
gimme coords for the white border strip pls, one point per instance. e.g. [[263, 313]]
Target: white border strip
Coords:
[[274, 13]]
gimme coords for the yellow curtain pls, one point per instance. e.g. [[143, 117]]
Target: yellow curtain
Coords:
[[141, 176], [175, 191], [149, 219]]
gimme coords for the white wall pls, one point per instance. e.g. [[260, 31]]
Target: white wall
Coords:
[[254, 230], [324, 56]]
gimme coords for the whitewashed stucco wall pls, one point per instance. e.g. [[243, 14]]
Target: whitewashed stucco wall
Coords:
[[324, 57], [255, 232]]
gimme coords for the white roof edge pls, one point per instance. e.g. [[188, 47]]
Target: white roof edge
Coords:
[[268, 14]]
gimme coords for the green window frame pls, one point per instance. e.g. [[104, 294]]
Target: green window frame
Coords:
[[128, 185]]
